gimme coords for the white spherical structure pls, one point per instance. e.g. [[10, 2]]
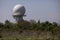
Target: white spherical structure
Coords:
[[19, 10]]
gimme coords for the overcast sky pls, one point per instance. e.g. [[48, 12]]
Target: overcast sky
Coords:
[[45, 10]]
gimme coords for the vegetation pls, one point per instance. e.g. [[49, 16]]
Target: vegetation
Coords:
[[30, 30]]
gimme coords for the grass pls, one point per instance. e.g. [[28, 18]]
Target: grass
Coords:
[[28, 36]]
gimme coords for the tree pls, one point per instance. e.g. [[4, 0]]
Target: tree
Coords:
[[1, 25], [55, 24], [38, 22], [7, 21], [8, 25]]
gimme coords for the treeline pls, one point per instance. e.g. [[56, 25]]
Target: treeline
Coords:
[[29, 25]]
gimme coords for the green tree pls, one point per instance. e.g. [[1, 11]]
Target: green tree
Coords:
[[8, 25], [1, 25], [55, 24], [38, 22]]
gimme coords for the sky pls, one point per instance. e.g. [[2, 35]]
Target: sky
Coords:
[[43, 10]]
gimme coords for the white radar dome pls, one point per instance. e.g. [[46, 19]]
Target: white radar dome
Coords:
[[18, 10]]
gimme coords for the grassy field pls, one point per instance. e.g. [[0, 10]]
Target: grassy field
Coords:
[[28, 36]]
